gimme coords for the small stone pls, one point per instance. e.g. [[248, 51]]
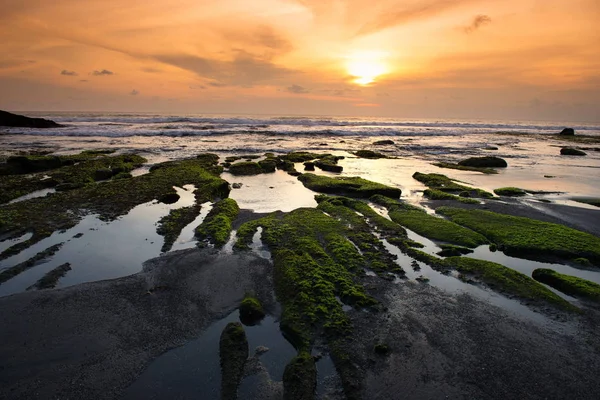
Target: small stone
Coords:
[[236, 185]]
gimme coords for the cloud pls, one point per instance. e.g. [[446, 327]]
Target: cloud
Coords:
[[83, 80], [477, 22], [134, 92], [68, 73], [390, 17], [297, 89], [245, 69], [103, 72]]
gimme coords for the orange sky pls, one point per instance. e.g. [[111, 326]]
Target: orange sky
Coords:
[[514, 59]]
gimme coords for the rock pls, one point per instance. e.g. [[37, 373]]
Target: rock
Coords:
[[383, 142], [569, 151], [21, 121], [237, 185], [484, 162], [567, 132], [103, 174], [369, 154], [169, 198], [309, 166]]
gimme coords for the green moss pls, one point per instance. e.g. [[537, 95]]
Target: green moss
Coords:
[[251, 311], [508, 281], [428, 225], [347, 186], [216, 227], [435, 194], [465, 168], [567, 284], [301, 156], [171, 225], [68, 172], [329, 163], [445, 184], [449, 250], [528, 237], [109, 200], [233, 352], [300, 378], [510, 191], [369, 154], [268, 165], [11, 272], [245, 168]]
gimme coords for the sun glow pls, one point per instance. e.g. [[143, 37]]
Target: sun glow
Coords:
[[365, 67]]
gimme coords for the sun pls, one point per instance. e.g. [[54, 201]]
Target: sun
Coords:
[[365, 67]]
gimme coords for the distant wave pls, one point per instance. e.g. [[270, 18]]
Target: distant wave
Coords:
[[125, 125]]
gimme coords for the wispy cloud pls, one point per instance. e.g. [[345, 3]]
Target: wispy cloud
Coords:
[[134, 92], [477, 22], [68, 73], [102, 72]]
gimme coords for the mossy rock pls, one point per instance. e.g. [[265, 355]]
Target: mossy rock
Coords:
[[347, 186], [465, 168], [329, 163], [449, 250], [435, 194], [171, 225], [309, 166], [251, 311], [233, 352], [169, 198], [567, 284], [216, 227], [383, 142], [527, 237], [245, 168], [300, 378], [510, 191], [569, 151], [445, 184], [268, 165], [484, 162], [369, 154], [103, 174]]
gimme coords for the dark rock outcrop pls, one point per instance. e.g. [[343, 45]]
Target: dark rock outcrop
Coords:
[[383, 142], [569, 151], [484, 162], [567, 132], [20, 121]]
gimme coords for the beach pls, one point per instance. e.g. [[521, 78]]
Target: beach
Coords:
[[385, 314]]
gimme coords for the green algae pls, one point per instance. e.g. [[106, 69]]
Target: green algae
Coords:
[[245, 168], [300, 378], [329, 163], [434, 194], [111, 199], [567, 284], [251, 311], [347, 186], [445, 184], [302, 156], [510, 191], [449, 250], [508, 281], [216, 227], [171, 225], [431, 227], [459, 167], [528, 237], [11, 272], [233, 352], [70, 172]]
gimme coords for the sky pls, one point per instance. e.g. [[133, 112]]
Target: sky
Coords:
[[485, 59]]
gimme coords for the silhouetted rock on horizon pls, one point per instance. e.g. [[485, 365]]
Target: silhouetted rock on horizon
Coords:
[[567, 132], [569, 151], [21, 121]]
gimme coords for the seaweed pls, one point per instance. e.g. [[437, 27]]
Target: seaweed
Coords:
[[251, 311], [245, 168], [49, 280], [459, 167], [11, 272], [347, 186], [434, 194], [528, 237], [216, 227], [510, 191], [233, 352], [300, 378], [369, 154], [445, 184], [567, 284]]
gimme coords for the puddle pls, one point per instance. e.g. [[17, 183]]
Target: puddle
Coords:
[[33, 195], [327, 377], [257, 245], [270, 192], [186, 239], [228, 247], [193, 370], [106, 250]]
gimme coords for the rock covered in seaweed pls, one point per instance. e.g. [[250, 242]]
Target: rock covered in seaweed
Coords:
[[484, 162], [233, 351]]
